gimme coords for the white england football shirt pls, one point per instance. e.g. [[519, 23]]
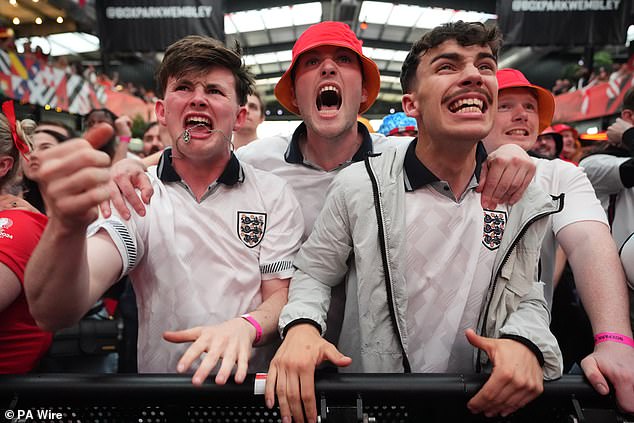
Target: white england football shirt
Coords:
[[202, 263], [451, 248]]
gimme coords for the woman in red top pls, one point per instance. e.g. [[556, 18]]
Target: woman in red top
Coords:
[[22, 343]]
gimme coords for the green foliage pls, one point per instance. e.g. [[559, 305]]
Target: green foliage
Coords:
[[138, 126], [602, 58]]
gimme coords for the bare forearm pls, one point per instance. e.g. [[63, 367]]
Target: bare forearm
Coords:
[[56, 278], [121, 152], [268, 313], [599, 277]]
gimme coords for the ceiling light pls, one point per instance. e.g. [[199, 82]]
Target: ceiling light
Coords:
[[38, 20], [375, 12], [35, 1], [16, 21], [13, 2], [60, 20]]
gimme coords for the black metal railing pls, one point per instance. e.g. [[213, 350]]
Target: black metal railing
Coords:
[[341, 398]]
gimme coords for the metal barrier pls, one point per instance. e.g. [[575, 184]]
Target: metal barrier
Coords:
[[385, 398]]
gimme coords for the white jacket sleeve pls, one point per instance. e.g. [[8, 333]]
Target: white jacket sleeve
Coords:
[[321, 263]]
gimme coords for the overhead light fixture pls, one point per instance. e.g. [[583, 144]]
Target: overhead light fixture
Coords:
[[16, 21], [35, 1], [13, 2], [38, 20], [60, 20]]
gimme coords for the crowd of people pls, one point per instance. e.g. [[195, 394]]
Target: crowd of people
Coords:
[[435, 245]]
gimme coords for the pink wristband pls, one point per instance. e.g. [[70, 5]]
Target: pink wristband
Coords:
[[614, 337], [125, 139], [256, 325]]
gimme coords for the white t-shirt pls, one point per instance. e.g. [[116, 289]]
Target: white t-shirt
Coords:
[[580, 204], [604, 172], [201, 263]]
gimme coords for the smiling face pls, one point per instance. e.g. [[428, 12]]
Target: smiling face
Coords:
[[545, 146], [516, 120], [454, 95], [328, 90], [207, 106]]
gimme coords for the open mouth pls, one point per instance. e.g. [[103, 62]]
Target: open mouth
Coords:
[[520, 132], [198, 122], [328, 99], [468, 105]]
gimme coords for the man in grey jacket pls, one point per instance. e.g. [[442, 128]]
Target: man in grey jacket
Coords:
[[424, 261]]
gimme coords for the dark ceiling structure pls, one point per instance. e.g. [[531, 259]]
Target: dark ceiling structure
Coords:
[[268, 46]]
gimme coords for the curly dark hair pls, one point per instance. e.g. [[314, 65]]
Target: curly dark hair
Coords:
[[465, 34]]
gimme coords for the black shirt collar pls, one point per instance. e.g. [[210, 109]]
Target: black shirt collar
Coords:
[[230, 175], [294, 154], [418, 175]]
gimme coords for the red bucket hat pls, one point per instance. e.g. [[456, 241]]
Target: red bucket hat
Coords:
[[329, 34], [512, 78], [561, 127]]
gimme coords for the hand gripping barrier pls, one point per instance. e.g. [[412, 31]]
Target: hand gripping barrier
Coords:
[[385, 398]]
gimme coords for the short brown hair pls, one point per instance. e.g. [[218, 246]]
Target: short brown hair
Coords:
[[465, 34], [197, 53]]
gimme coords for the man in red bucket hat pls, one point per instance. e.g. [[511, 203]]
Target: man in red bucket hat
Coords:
[[582, 231], [334, 37]]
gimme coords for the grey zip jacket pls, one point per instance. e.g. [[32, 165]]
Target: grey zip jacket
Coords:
[[359, 238]]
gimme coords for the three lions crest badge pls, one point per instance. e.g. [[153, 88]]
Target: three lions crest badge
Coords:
[[251, 228]]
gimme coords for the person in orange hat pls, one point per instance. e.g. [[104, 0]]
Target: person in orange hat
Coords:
[[582, 231]]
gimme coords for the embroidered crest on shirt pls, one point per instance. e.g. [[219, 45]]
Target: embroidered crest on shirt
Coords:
[[5, 223], [251, 227], [494, 223]]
